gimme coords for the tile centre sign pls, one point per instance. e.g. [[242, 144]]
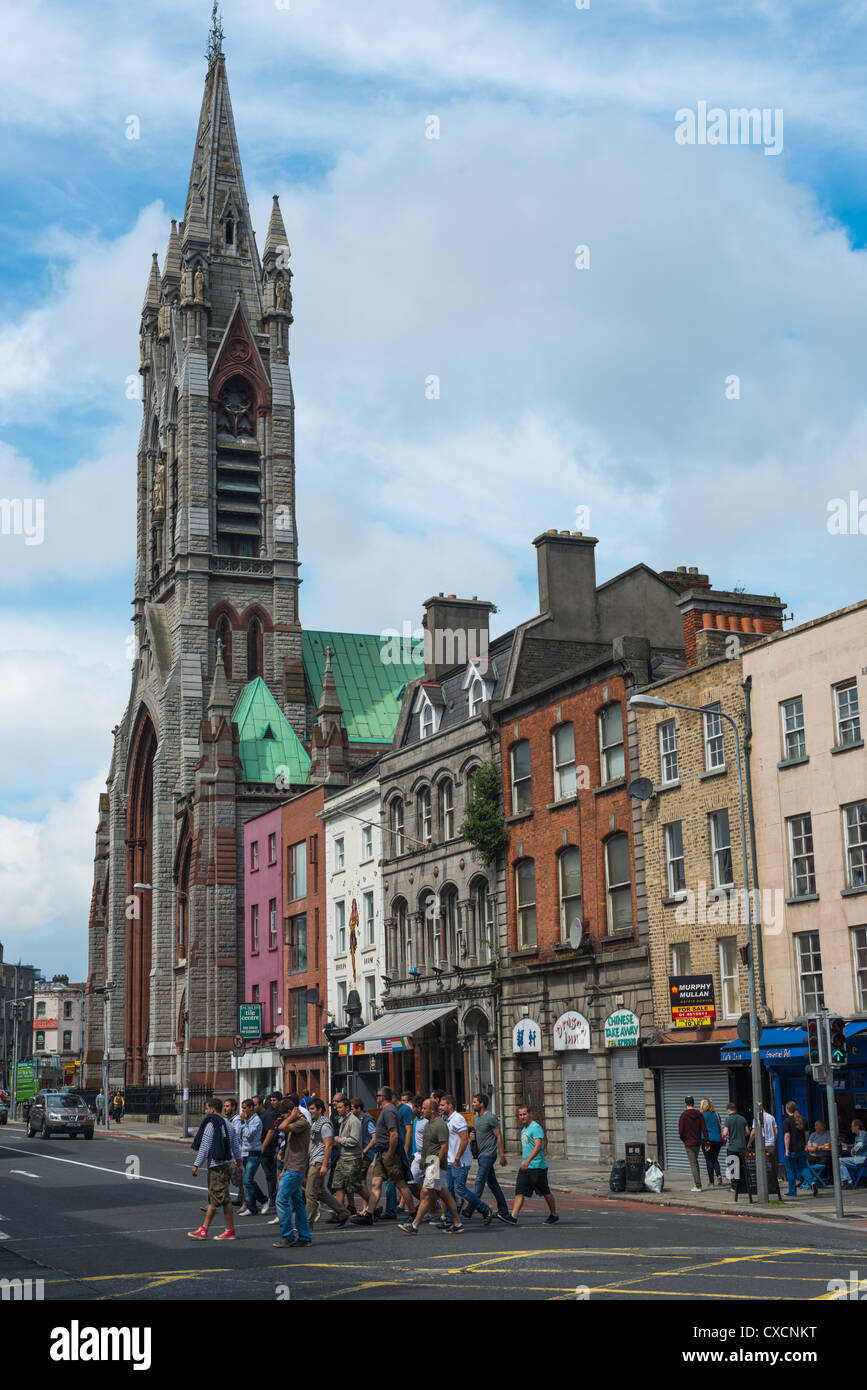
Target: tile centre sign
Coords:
[[250, 1021]]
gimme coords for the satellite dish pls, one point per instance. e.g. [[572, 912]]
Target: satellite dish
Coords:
[[641, 788], [575, 935]]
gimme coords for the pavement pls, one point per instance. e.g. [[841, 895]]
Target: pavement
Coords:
[[107, 1221], [577, 1178]]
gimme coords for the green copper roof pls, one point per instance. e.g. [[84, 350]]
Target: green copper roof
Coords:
[[267, 740], [368, 687]]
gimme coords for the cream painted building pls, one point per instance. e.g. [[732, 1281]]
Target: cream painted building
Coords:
[[809, 770], [353, 850]]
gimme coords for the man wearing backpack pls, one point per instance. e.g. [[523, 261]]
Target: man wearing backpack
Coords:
[[368, 1139], [218, 1147]]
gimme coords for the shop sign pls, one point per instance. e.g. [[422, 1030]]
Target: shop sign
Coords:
[[692, 1000], [571, 1033], [250, 1021], [527, 1036], [621, 1029]]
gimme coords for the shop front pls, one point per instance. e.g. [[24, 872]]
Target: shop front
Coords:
[[414, 1050], [688, 1069]]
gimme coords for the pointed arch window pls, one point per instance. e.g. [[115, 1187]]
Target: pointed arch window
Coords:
[[224, 635], [230, 232], [254, 649], [238, 470]]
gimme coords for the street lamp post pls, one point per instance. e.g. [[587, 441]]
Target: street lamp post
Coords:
[[653, 702]]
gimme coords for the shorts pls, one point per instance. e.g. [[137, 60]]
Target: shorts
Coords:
[[347, 1175], [390, 1167], [434, 1176], [532, 1182], [218, 1184], [365, 1165], [415, 1168]]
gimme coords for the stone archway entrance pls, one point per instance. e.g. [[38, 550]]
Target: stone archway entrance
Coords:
[[139, 867]]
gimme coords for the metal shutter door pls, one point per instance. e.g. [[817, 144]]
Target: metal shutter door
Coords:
[[678, 1082]]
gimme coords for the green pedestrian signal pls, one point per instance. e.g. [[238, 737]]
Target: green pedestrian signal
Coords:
[[838, 1043]]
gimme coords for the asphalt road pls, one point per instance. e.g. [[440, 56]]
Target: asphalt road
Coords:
[[71, 1214]]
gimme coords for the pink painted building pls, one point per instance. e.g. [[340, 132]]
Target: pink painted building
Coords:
[[261, 1069]]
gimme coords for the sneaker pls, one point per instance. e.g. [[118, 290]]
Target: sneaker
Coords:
[[273, 1221], [388, 1216], [227, 1235], [287, 1240], [408, 1228], [507, 1218], [488, 1217], [244, 1211], [334, 1220], [299, 1241], [695, 1189], [467, 1214], [453, 1230], [316, 1216], [265, 1209], [200, 1234], [365, 1220], [551, 1219]]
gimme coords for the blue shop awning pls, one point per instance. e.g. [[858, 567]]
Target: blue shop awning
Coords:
[[775, 1045]]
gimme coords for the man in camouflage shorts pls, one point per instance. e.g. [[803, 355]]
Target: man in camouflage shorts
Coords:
[[348, 1178]]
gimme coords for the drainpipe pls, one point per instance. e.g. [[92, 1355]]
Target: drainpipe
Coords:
[[748, 740]]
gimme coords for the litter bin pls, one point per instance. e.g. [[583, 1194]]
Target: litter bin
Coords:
[[634, 1167]]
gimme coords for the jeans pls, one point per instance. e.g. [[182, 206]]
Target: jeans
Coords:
[[456, 1182], [252, 1192], [486, 1174], [711, 1159], [269, 1168], [796, 1164], [290, 1199], [850, 1168], [390, 1198]]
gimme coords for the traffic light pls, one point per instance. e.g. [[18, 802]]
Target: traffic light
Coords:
[[814, 1041], [838, 1042]]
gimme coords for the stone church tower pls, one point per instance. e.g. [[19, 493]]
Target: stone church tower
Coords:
[[215, 607]]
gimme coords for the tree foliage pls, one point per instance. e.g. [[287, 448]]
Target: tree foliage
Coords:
[[484, 825]]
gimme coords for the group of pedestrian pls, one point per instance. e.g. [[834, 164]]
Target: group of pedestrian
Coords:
[[414, 1157], [116, 1105], [704, 1131]]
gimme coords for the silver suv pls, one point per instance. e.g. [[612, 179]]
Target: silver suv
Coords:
[[58, 1112]]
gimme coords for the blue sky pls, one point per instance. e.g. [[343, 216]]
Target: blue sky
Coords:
[[560, 388]]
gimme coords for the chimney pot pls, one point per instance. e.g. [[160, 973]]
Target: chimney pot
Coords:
[[577, 533], [693, 569], [681, 569]]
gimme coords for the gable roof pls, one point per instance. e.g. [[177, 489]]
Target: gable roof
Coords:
[[369, 689], [267, 740]]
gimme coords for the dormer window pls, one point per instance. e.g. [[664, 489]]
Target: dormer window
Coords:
[[429, 708], [478, 687]]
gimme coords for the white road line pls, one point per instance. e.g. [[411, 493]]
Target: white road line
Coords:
[[97, 1167], [21, 1173]]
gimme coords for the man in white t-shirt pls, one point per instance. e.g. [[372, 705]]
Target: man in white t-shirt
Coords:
[[459, 1156]]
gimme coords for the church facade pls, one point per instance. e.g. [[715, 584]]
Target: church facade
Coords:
[[224, 689]]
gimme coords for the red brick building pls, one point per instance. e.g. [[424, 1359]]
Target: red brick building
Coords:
[[305, 923]]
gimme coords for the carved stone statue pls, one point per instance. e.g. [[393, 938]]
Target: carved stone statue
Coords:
[[198, 285], [161, 320], [280, 296], [158, 499]]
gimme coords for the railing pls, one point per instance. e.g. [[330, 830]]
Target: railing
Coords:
[[154, 1101]]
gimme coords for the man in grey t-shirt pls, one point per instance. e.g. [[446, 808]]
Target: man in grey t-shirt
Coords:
[[735, 1131], [321, 1142], [489, 1143]]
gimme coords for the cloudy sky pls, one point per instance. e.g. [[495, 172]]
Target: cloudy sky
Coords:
[[603, 387]]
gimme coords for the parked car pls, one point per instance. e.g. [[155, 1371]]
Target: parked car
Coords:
[[4, 1112], [56, 1112]]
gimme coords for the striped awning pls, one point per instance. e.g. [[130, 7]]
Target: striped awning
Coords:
[[392, 1032]]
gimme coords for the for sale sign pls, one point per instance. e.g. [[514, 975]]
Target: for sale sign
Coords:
[[692, 1000]]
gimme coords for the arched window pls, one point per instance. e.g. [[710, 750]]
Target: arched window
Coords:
[[525, 900], [395, 825], [477, 696], [230, 232], [447, 809], [569, 877], [432, 911], [453, 935], [238, 480], [224, 635], [402, 963], [254, 649], [618, 882], [424, 815], [183, 919], [483, 905], [563, 747]]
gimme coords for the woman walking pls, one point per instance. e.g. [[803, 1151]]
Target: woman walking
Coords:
[[795, 1141], [713, 1143]]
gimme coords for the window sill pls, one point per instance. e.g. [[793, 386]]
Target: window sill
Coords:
[[562, 803], [712, 772], [518, 816], [610, 786], [524, 952], [675, 900], [717, 894], [802, 898], [853, 892], [667, 786], [794, 762], [621, 934], [847, 747]]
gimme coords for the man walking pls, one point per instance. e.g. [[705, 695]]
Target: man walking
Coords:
[[293, 1124], [489, 1147], [532, 1179], [388, 1164], [251, 1157], [100, 1105], [268, 1116], [321, 1144], [230, 1114], [435, 1149], [218, 1147], [693, 1134], [735, 1132], [347, 1170], [460, 1157], [368, 1140]]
